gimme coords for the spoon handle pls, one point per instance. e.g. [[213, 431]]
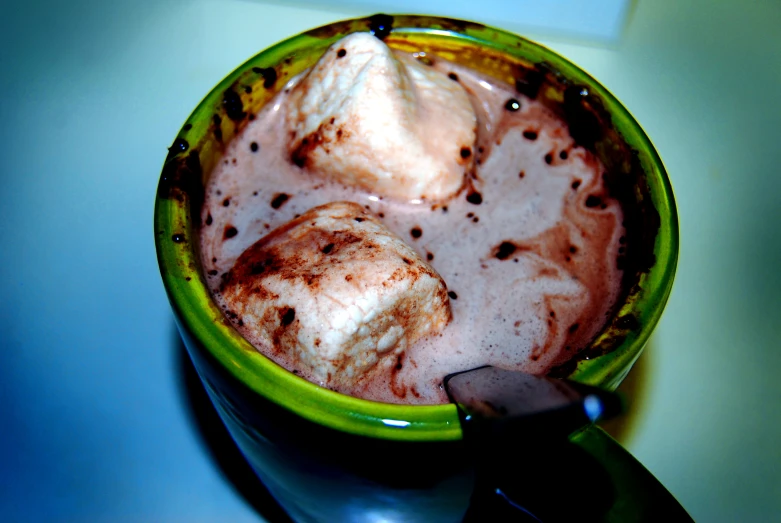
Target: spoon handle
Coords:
[[539, 457]]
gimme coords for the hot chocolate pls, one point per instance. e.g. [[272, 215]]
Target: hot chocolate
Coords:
[[526, 244]]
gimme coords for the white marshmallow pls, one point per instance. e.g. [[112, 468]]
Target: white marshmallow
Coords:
[[336, 294], [397, 128]]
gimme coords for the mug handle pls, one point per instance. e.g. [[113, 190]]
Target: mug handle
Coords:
[[640, 496], [588, 478]]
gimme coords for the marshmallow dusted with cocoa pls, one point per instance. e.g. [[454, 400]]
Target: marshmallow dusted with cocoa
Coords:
[[393, 127], [337, 293]]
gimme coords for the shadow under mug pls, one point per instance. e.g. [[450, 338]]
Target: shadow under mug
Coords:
[[330, 457]]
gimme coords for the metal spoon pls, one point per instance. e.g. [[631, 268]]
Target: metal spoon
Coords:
[[540, 405], [529, 467]]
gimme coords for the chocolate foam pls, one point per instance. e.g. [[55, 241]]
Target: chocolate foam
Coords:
[[528, 249]]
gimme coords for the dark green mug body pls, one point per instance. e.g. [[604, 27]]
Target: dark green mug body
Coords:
[[329, 457]]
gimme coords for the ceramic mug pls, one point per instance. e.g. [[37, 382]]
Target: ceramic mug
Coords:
[[330, 457]]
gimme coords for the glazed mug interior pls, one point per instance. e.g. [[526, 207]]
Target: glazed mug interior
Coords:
[[597, 121]]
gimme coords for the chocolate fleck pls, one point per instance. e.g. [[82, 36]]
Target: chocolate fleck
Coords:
[[279, 200], [628, 321], [579, 111], [233, 105], [512, 105], [269, 75], [380, 25], [180, 145], [593, 201], [530, 84], [505, 250], [287, 315], [230, 232]]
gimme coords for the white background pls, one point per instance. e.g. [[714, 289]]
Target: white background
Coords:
[[96, 423]]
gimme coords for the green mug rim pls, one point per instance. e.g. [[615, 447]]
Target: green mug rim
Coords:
[[180, 266]]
